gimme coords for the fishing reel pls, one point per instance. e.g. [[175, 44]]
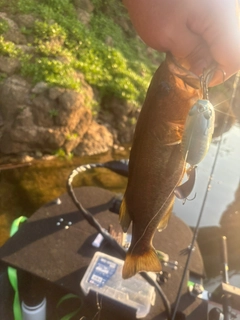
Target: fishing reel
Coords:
[[217, 314]]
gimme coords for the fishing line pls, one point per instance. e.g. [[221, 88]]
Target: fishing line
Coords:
[[93, 222], [218, 104], [235, 85]]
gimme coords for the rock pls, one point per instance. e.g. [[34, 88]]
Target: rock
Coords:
[[25, 20], [43, 119], [25, 48], [96, 140], [38, 154], [13, 33], [1, 120], [70, 100], [70, 104], [109, 41], [18, 135], [14, 91], [48, 157], [40, 87], [85, 5], [11, 23], [9, 65], [83, 16], [49, 139], [25, 158], [22, 135], [15, 36], [121, 116], [55, 92], [44, 111], [73, 138]]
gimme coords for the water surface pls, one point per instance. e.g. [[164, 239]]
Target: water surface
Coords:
[[24, 190]]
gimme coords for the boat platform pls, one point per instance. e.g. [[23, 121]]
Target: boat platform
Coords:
[[55, 247]]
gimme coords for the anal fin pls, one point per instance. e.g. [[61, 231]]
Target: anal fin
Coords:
[[124, 216]]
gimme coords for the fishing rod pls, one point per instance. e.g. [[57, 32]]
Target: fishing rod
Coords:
[[121, 167], [227, 291], [195, 234], [226, 297]]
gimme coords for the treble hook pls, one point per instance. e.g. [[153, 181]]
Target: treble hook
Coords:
[[206, 77], [187, 199]]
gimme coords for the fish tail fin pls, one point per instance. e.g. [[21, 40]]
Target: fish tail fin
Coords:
[[124, 216], [134, 263]]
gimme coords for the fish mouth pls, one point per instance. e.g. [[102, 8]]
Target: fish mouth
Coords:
[[188, 77]]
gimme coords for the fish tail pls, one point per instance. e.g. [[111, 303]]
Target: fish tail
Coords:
[[134, 263]]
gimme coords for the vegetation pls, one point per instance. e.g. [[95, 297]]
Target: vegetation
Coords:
[[60, 153], [53, 113], [112, 60], [3, 26]]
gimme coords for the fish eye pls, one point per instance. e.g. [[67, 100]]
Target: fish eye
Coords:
[[200, 108], [208, 114]]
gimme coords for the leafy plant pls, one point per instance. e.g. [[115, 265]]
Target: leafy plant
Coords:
[[71, 136], [60, 153], [3, 76], [8, 48], [52, 71], [53, 113], [46, 31], [3, 26]]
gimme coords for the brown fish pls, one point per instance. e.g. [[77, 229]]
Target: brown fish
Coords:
[[156, 165]]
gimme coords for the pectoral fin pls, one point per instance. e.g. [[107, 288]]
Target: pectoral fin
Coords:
[[124, 216], [183, 191]]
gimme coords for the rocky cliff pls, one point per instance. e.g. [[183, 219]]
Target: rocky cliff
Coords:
[[73, 75]]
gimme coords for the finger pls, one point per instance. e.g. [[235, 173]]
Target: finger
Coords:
[[191, 51], [217, 23]]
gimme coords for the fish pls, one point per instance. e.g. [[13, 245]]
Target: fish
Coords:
[[156, 164]]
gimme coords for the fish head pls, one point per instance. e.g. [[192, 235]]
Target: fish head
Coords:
[[203, 107], [184, 77]]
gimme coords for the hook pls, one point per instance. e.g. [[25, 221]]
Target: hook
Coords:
[[206, 77], [187, 199]]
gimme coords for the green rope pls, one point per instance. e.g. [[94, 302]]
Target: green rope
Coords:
[[12, 276], [12, 273], [67, 297]]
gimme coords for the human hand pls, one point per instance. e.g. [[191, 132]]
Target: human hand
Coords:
[[196, 32]]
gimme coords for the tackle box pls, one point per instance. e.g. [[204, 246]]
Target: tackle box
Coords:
[[104, 276]]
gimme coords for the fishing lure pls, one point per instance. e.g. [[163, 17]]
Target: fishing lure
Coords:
[[198, 132], [197, 135]]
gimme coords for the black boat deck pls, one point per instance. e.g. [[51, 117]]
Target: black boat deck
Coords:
[[61, 253]]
